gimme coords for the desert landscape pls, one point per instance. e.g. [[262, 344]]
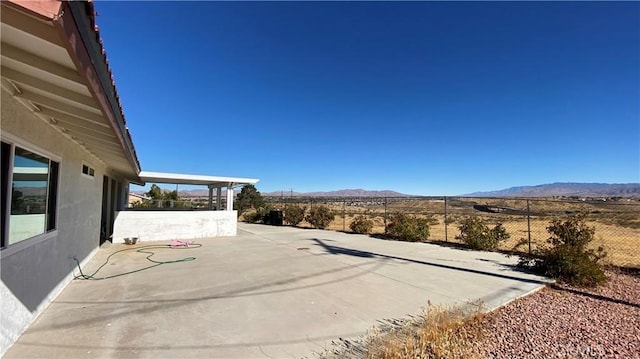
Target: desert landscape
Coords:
[[616, 220]]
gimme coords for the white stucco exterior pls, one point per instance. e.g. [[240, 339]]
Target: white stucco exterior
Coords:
[[159, 225], [36, 269]]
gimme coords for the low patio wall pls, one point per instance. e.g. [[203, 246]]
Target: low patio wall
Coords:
[[167, 225]]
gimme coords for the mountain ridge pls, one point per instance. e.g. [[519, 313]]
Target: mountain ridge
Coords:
[[358, 192], [556, 189], [565, 189]]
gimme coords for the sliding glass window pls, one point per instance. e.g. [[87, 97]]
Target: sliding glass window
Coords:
[[32, 194]]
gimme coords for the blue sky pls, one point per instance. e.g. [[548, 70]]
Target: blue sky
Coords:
[[429, 98]]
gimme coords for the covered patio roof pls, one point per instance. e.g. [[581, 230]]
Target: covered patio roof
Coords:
[[180, 178], [209, 181]]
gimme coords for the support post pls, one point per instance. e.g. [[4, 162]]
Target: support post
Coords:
[[230, 197], [219, 199], [210, 198]]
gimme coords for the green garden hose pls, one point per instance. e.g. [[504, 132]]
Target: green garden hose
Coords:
[[145, 250]]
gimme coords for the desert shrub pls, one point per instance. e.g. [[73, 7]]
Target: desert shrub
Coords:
[[251, 216], [361, 224], [566, 256], [258, 215], [409, 228], [294, 214], [320, 216], [477, 235]]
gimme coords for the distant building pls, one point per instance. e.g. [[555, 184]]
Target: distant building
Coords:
[[135, 198]]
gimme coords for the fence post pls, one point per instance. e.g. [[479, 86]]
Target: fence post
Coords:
[[446, 238], [529, 225], [344, 205], [385, 215]]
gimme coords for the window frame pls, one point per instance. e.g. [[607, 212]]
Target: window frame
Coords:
[[91, 172], [15, 141]]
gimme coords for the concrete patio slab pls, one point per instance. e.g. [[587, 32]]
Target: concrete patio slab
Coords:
[[276, 292]]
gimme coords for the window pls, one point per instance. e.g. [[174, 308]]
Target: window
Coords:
[[6, 163], [29, 191], [89, 171]]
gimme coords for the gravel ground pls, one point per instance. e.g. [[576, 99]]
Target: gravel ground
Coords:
[[567, 322], [558, 321]]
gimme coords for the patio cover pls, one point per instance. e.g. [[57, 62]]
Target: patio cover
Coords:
[[179, 178], [209, 181]]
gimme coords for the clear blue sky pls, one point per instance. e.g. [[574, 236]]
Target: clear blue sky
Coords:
[[430, 98]]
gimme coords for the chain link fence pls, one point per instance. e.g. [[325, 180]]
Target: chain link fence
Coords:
[[616, 221]]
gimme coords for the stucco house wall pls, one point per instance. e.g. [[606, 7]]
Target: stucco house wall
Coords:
[[33, 271]]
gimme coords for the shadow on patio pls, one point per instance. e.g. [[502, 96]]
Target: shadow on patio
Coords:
[[258, 295]]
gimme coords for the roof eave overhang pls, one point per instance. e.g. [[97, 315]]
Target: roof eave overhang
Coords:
[[80, 40], [53, 63]]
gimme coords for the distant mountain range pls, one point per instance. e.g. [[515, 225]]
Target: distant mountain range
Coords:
[[567, 189], [544, 190], [339, 193], [198, 193]]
